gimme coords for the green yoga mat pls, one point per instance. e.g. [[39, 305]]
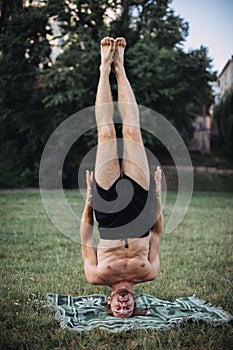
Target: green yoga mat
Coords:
[[84, 313]]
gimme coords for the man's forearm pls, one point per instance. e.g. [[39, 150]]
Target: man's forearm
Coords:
[[88, 248], [87, 223], [159, 215], [88, 213]]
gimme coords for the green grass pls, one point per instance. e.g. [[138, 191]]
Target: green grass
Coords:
[[35, 258], [207, 182]]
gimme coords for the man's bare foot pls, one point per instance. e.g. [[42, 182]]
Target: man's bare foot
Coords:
[[107, 49], [118, 63]]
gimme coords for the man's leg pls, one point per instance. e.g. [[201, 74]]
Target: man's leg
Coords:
[[107, 168], [135, 163]]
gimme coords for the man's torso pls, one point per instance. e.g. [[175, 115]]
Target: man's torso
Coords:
[[117, 263]]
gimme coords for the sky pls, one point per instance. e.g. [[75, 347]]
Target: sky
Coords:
[[210, 25]]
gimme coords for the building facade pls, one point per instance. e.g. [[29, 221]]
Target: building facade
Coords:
[[225, 79]]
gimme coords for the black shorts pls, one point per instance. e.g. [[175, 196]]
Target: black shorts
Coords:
[[126, 210]]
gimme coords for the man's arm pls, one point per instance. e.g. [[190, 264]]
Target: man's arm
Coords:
[[158, 226], [86, 230], [154, 248]]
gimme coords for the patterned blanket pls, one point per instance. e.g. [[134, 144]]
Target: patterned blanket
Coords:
[[85, 313]]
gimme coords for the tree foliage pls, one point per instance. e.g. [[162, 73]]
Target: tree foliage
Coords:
[[37, 93], [23, 48], [223, 114]]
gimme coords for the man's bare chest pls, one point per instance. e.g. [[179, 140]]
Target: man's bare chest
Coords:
[[130, 269]]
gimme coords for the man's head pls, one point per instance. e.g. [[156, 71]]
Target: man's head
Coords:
[[121, 303]]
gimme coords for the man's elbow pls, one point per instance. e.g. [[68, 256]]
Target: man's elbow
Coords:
[[92, 280], [158, 228], [154, 270], [153, 275]]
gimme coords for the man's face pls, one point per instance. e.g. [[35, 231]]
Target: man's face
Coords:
[[122, 303]]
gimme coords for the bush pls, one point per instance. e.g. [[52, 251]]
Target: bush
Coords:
[[8, 178]]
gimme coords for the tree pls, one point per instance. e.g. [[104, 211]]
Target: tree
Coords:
[[170, 81], [70, 84], [7, 8], [36, 93], [23, 119], [152, 19], [174, 83]]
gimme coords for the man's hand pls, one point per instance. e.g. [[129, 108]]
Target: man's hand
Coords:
[[157, 177], [89, 182]]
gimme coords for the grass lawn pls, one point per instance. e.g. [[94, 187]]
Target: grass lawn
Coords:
[[35, 258]]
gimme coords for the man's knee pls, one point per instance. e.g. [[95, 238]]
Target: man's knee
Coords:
[[131, 132], [106, 132]]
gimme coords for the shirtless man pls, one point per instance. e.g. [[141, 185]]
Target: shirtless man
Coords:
[[123, 258]]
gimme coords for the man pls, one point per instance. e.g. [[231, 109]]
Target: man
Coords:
[[128, 249]]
